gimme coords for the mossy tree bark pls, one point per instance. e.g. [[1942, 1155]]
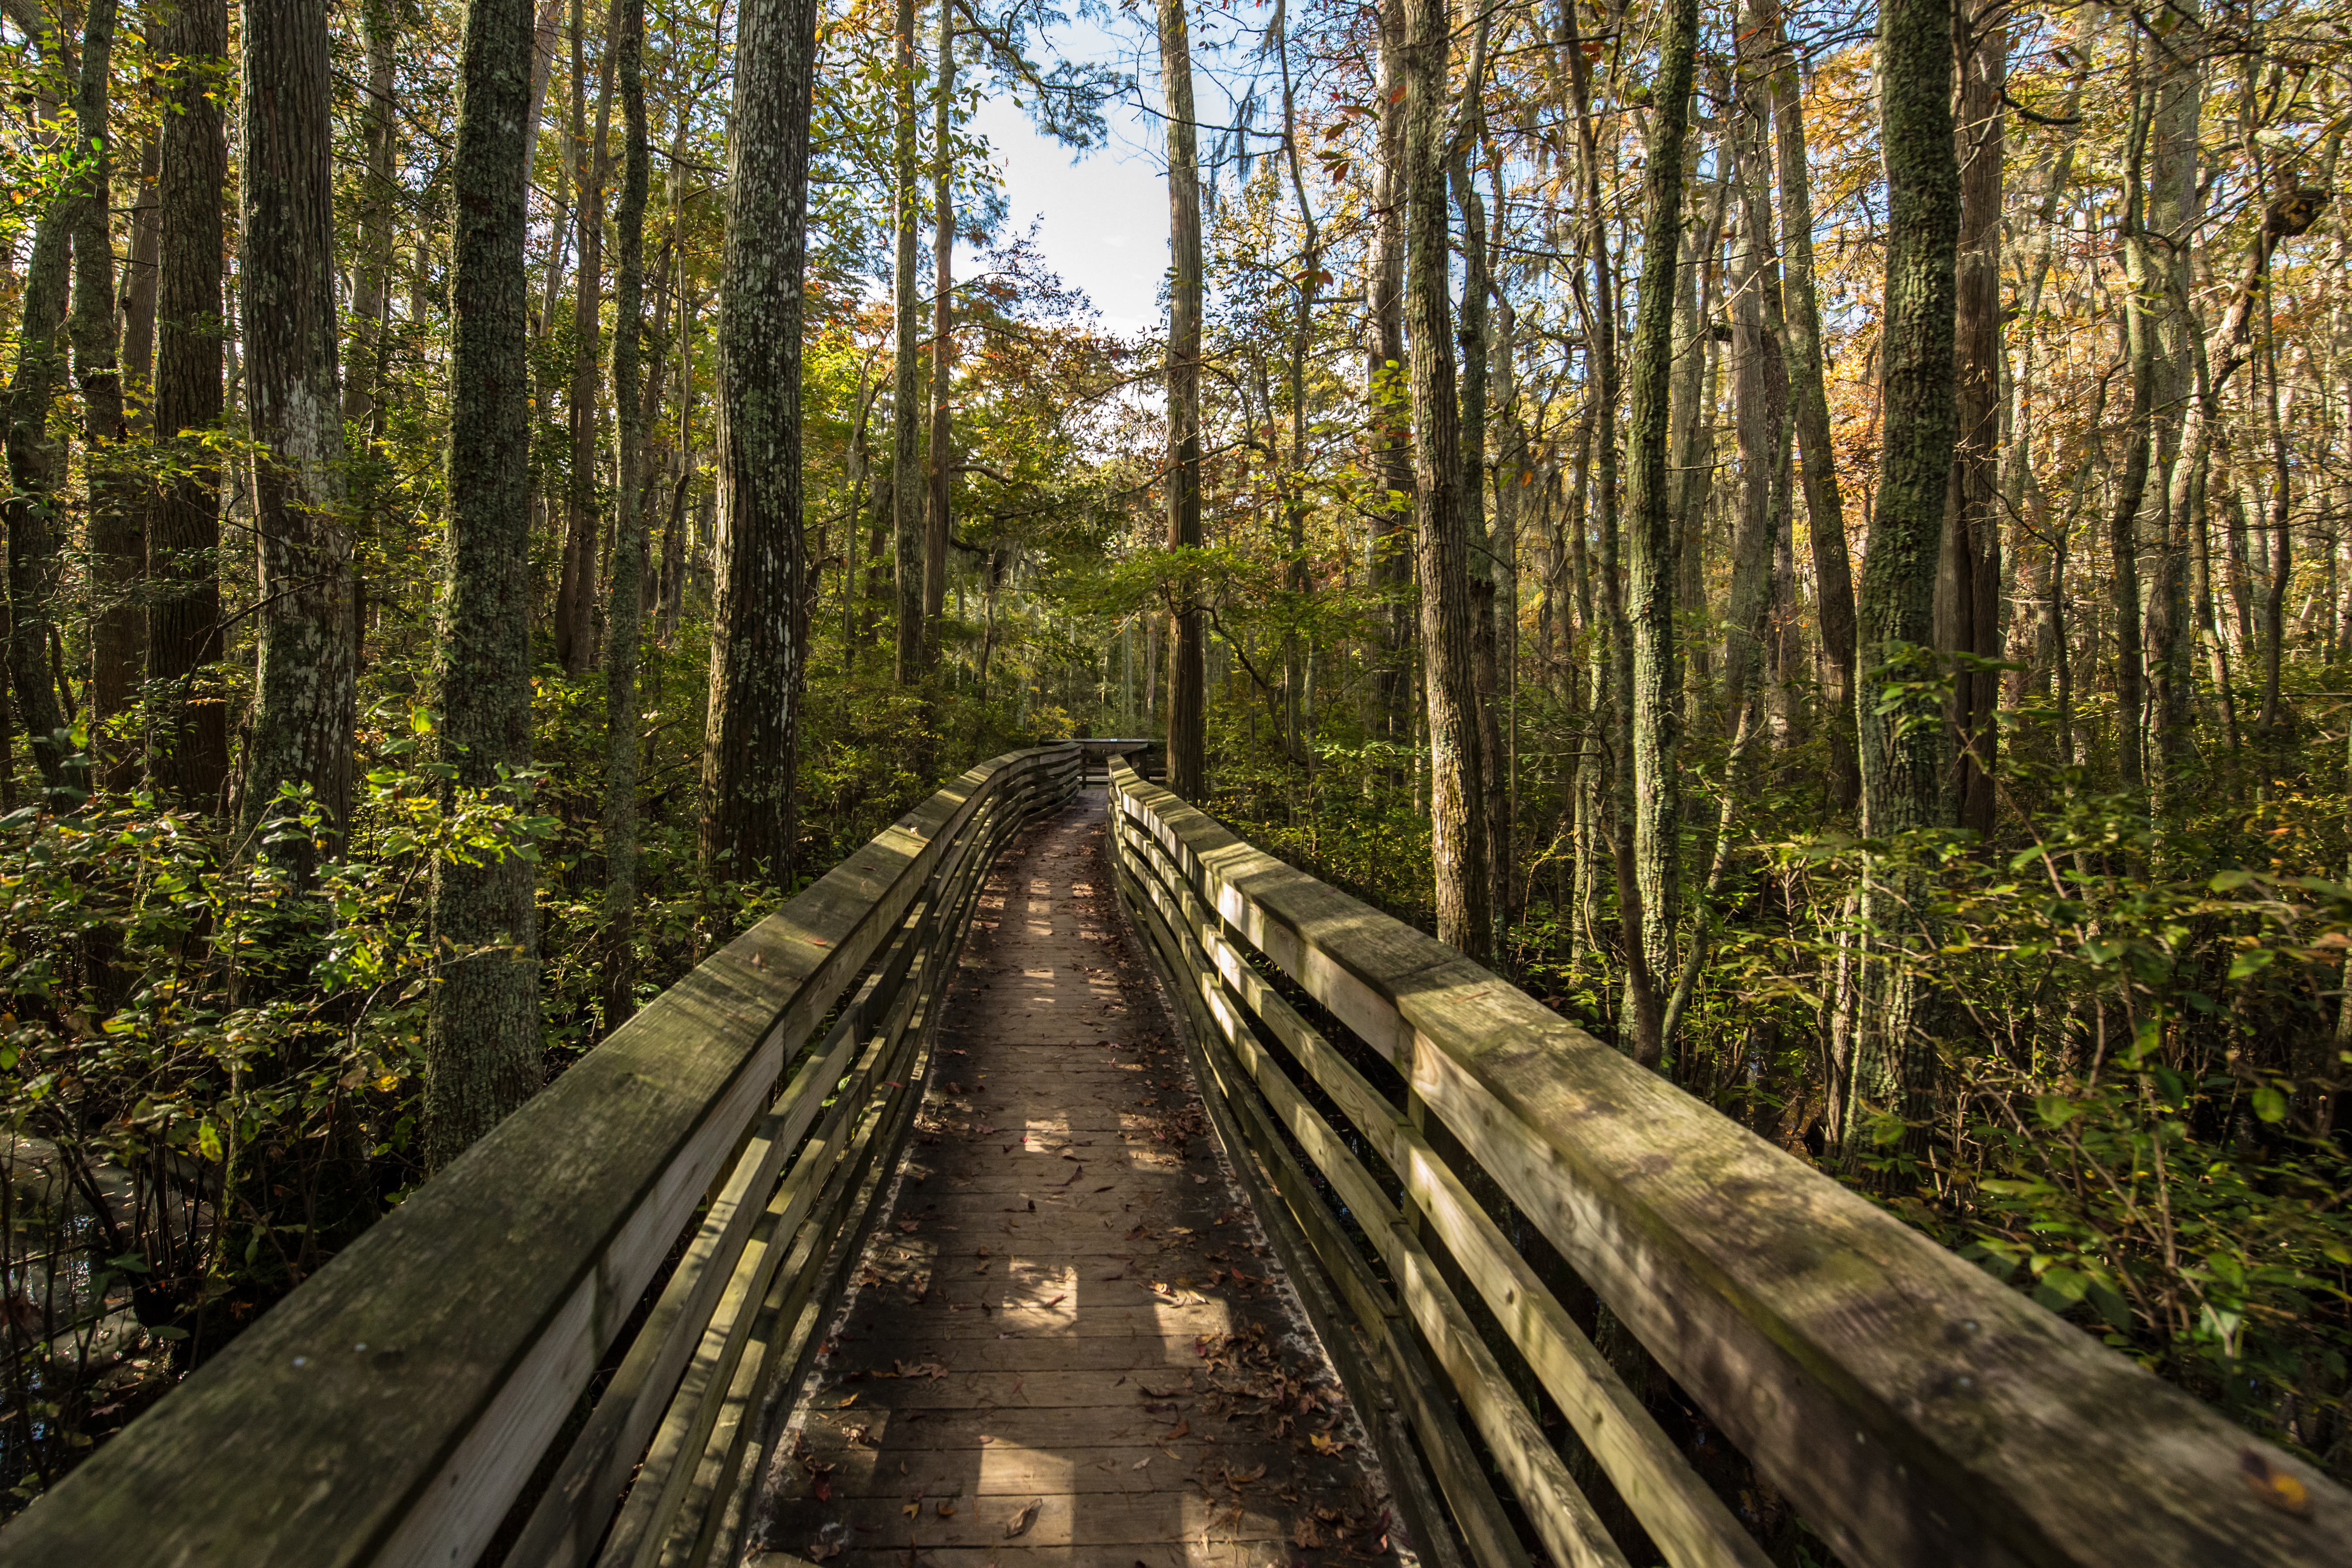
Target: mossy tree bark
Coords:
[[1906, 744], [759, 624], [1656, 738], [306, 685], [942, 457], [1388, 416], [482, 1042], [117, 537]]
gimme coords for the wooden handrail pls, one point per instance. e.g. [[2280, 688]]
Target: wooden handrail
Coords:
[[1914, 1410], [397, 1408]]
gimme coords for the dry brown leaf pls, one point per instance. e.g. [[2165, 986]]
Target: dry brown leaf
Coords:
[[1024, 1519]]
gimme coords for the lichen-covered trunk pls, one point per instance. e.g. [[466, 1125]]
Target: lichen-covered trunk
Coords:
[[1904, 746], [187, 736], [1760, 397], [1187, 667], [2175, 206], [758, 620], [372, 258], [624, 614], [1656, 684], [1442, 565], [482, 1040], [305, 687], [1487, 672]]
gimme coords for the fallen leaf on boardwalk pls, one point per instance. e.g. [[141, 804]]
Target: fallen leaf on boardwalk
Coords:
[[1183, 1428], [1059, 1299], [1140, 1463], [1304, 1535], [1168, 1393], [1017, 1384], [1326, 1445], [1103, 1189], [908, 1226], [911, 1509], [846, 1402], [2272, 1485], [824, 1489], [820, 1551], [947, 1510], [1024, 1519], [982, 1269], [982, 1253]]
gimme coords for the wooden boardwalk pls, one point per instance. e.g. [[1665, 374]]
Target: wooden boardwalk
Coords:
[[1068, 1343]]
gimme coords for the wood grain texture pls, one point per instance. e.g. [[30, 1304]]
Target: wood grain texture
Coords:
[[389, 1410], [1914, 1410]]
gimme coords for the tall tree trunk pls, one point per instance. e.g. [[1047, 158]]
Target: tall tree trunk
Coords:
[[1293, 479], [942, 458], [2142, 352], [1388, 416], [1969, 585], [1486, 640], [118, 544], [758, 621], [482, 1040], [1904, 745], [371, 260], [188, 726], [1187, 670], [139, 280], [35, 462], [305, 689], [576, 614], [1760, 396], [1649, 532], [906, 406], [624, 618], [1457, 791], [1809, 400], [2174, 212]]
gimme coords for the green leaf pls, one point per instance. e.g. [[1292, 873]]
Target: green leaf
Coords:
[[2253, 960], [2110, 1305], [2270, 1104]]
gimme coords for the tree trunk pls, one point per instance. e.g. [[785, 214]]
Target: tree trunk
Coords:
[[1969, 590], [1457, 791], [188, 728], [305, 685], [624, 616], [1385, 382], [118, 544], [482, 1039], [1656, 738], [1904, 745], [139, 282], [575, 628], [942, 458], [1824, 504], [2142, 351], [2174, 213], [1485, 638], [371, 269], [906, 405], [758, 621], [1187, 671], [36, 532]]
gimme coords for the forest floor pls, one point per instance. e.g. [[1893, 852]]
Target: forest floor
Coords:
[[1068, 1342]]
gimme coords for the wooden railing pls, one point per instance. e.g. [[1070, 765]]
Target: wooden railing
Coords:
[[491, 1362], [1914, 1410]]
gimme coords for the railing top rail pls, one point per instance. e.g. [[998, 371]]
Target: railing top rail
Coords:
[[442, 1349], [1916, 1410]]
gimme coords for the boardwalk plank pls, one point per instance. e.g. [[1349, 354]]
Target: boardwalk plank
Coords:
[[1068, 1303]]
